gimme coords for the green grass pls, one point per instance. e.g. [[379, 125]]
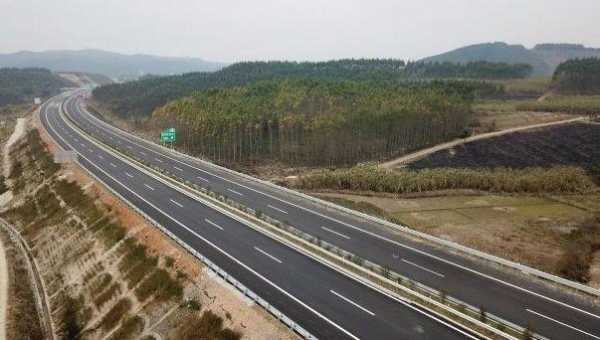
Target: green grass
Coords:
[[535, 85], [566, 104]]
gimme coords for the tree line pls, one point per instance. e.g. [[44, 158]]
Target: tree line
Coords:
[[18, 86], [137, 99], [578, 76], [315, 122]]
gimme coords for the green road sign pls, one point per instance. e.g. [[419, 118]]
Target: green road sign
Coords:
[[168, 135]]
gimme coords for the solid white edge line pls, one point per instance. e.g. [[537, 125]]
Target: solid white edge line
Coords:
[[352, 302], [267, 255], [562, 323], [275, 208], [109, 128], [335, 232], [368, 284], [213, 223], [423, 268], [243, 265]]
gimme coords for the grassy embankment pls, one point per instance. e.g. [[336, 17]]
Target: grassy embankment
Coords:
[[101, 279]]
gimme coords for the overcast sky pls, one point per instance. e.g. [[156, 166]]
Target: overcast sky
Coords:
[[234, 30]]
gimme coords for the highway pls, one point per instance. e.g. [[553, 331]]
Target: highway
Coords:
[[326, 303], [548, 311]]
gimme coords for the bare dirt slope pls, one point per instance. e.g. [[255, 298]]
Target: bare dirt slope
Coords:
[[3, 291]]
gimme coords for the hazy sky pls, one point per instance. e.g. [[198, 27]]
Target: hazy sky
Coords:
[[233, 30]]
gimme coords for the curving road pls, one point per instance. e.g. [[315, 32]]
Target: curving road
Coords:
[[325, 302], [547, 311]]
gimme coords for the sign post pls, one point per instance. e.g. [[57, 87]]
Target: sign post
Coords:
[[168, 135]]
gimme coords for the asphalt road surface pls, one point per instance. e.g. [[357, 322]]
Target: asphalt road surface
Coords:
[[325, 302], [549, 312]]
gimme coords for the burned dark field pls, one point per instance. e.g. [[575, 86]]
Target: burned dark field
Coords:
[[573, 144]]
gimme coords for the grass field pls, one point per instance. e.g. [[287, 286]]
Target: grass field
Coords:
[[565, 104], [535, 86], [528, 229]]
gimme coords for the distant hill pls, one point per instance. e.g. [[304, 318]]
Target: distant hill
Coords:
[[110, 64], [578, 76], [140, 98], [19, 86], [544, 58]]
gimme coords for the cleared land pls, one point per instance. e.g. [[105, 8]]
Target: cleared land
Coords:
[[573, 144], [528, 229]]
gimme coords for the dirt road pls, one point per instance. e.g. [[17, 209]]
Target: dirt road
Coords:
[[425, 152]]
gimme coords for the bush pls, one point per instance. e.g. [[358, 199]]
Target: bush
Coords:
[[580, 246], [161, 285], [562, 179], [208, 326], [115, 314]]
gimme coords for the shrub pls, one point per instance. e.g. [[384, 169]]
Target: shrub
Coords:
[[561, 179], [161, 285], [207, 326], [116, 313], [580, 246]]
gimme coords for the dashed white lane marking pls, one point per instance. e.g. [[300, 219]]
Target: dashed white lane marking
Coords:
[[142, 153], [81, 144], [351, 302], [275, 208], [100, 156], [235, 192], [158, 160], [213, 223], [149, 187], [129, 175], [423, 268], [562, 323], [90, 150], [336, 233], [176, 203], [113, 165], [177, 168], [129, 146], [202, 179], [268, 255]]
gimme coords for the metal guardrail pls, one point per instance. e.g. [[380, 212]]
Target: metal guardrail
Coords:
[[445, 243], [211, 265]]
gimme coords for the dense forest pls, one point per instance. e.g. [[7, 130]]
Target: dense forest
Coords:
[[134, 100], [578, 76], [316, 122], [474, 70], [22, 85]]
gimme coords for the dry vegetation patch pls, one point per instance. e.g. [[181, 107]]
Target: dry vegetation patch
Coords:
[[548, 233]]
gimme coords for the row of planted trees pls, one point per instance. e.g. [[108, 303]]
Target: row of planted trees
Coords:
[[313, 122]]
